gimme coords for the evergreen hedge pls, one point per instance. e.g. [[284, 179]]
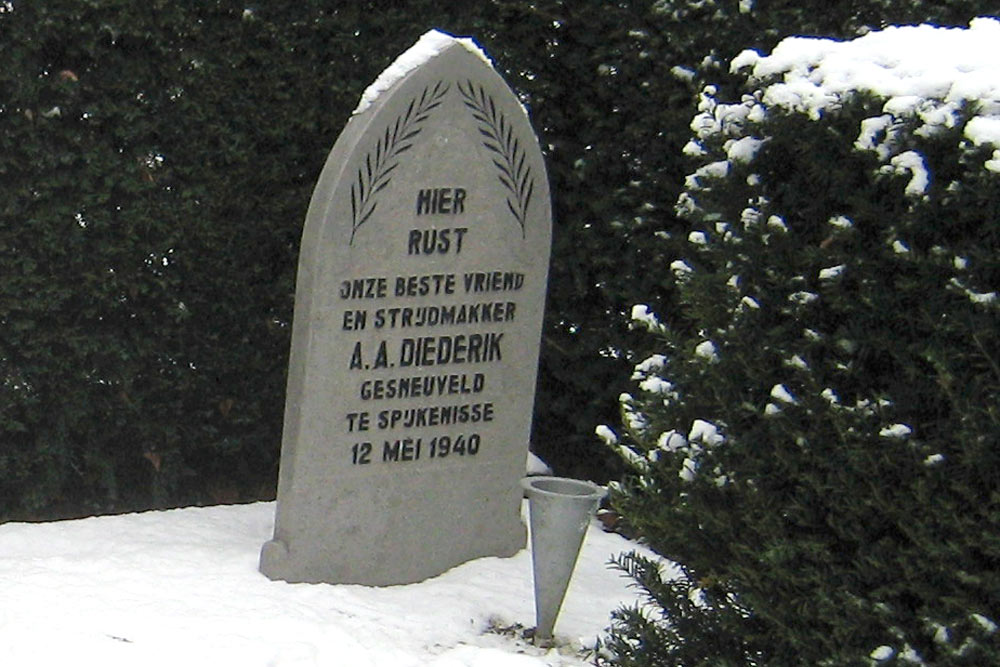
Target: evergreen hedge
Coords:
[[157, 154], [157, 160], [816, 442]]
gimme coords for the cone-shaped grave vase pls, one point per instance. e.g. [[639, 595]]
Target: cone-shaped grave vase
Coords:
[[560, 511]]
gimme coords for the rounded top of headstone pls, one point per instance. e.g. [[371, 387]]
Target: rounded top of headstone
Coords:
[[430, 44]]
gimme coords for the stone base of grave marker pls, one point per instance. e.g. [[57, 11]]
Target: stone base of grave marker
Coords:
[[418, 315], [399, 536]]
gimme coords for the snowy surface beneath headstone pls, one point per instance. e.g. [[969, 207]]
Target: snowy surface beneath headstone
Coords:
[[181, 587], [429, 45]]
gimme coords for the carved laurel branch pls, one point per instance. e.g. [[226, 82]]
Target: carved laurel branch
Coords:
[[510, 159], [376, 172]]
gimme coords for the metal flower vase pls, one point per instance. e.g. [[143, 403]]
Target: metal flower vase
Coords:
[[560, 511]]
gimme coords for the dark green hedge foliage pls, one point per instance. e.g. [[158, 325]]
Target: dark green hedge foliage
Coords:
[[814, 532], [157, 160], [157, 154]]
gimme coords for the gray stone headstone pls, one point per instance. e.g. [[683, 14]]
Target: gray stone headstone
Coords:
[[418, 316]]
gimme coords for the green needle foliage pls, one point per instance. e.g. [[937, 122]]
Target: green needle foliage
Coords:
[[817, 441]]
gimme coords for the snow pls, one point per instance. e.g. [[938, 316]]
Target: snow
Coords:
[[671, 441], [698, 238], [941, 633], [986, 624], [689, 470], [693, 149], [651, 364], [934, 459], [536, 466], [706, 432], [634, 459], [926, 74], [832, 272], [953, 64], [604, 432], [680, 268], [981, 130], [882, 653], [683, 73], [656, 385], [981, 298], [802, 298], [871, 129], [707, 350], [896, 431], [798, 362], [430, 44], [634, 421], [714, 170], [780, 392], [749, 217], [913, 162], [743, 150], [642, 315], [777, 222], [181, 587]]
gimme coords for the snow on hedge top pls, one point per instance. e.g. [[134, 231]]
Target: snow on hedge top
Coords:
[[923, 72], [430, 44], [904, 63]]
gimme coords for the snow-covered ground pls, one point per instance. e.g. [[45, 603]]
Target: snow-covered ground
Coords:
[[181, 588]]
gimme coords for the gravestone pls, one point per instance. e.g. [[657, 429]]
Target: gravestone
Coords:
[[418, 317]]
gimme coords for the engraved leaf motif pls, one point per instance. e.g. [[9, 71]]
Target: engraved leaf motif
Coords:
[[513, 171], [375, 173]]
